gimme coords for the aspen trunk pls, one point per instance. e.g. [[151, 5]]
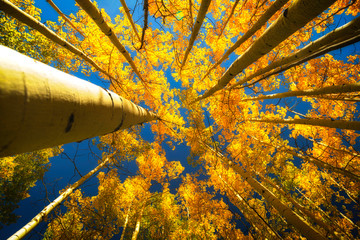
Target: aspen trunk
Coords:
[[10, 9], [126, 222], [262, 20], [53, 5], [297, 205], [228, 19], [314, 49], [199, 20], [43, 107], [38, 218], [138, 222], [291, 217], [95, 14], [128, 15], [315, 161], [272, 232], [342, 124], [344, 88], [293, 18]]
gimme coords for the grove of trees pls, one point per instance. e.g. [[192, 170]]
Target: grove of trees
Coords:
[[264, 93]]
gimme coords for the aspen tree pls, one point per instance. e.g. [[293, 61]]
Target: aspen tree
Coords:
[[128, 15], [53, 5], [195, 31], [272, 231], [342, 124], [40, 217], [12, 10], [303, 227], [278, 4], [292, 19], [345, 88], [338, 38], [95, 14], [43, 107], [138, 223]]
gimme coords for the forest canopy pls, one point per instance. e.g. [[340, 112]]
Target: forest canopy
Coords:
[[263, 93]]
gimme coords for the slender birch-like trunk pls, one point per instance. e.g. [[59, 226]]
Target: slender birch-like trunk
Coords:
[[298, 206], [344, 88], [340, 37], [291, 217], [129, 17], [314, 160], [42, 107], [292, 19], [262, 20], [137, 226], [342, 124], [229, 17], [199, 20], [272, 231], [53, 5], [126, 222], [38, 218], [10, 9], [95, 14]]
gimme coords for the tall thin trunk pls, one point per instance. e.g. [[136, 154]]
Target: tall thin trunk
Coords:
[[338, 38], [39, 217], [137, 226], [314, 161], [129, 17], [342, 124], [95, 14], [228, 18], [199, 20], [10, 9], [43, 107], [344, 88], [53, 5], [291, 217], [126, 222], [293, 18], [298, 206], [272, 231], [262, 20]]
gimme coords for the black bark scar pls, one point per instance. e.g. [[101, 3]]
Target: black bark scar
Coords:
[[70, 123]]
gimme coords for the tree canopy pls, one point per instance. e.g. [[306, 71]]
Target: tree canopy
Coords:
[[264, 93]]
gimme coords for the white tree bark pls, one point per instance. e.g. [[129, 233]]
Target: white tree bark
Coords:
[[262, 20], [128, 15], [293, 18], [42, 107], [291, 217], [345, 88], [95, 14], [199, 20], [324, 44], [12, 10], [38, 218]]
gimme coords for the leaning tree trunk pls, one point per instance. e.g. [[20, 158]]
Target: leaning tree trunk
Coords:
[[342, 124], [338, 38], [137, 226], [10, 9], [42, 107], [303, 227], [40, 217], [293, 18], [199, 20], [66, 19], [95, 14], [344, 88], [278, 4], [128, 15]]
